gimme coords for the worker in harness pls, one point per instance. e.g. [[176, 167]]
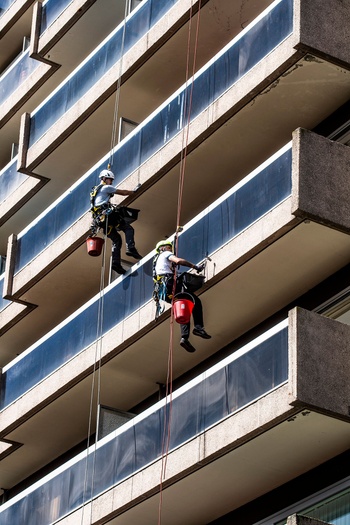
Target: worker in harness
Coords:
[[164, 271], [106, 216]]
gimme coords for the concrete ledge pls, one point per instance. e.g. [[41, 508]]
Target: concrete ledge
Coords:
[[274, 65], [321, 189], [131, 61], [20, 196], [40, 45], [229, 434], [12, 314], [230, 257], [319, 350], [24, 92], [12, 14], [228, 452], [41, 265], [313, 197], [324, 29]]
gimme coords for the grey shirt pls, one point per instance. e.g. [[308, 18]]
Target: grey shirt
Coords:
[[104, 194]]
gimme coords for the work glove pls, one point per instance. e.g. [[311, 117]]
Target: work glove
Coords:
[[199, 268], [137, 187]]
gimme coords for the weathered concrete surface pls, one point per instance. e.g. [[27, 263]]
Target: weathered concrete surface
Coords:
[[319, 362], [320, 172]]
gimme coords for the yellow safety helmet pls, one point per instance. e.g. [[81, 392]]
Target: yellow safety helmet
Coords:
[[163, 243]]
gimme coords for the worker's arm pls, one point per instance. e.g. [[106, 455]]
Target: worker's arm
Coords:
[[124, 192], [184, 262], [181, 262]]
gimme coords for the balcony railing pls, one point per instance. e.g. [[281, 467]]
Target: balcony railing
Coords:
[[233, 62], [4, 5], [137, 24], [240, 379], [51, 9], [10, 179], [245, 203], [3, 302], [16, 75], [157, 130]]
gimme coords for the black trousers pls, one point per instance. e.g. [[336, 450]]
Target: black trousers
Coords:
[[111, 226], [197, 312]]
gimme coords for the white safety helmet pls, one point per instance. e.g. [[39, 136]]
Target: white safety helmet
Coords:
[[106, 174]]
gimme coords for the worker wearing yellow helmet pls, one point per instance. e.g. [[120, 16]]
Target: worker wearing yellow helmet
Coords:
[[165, 264]]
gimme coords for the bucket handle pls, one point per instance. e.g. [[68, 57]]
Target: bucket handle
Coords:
[[183, 295]]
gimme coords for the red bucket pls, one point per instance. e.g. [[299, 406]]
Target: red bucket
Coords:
[[183, 304], [94, 246]]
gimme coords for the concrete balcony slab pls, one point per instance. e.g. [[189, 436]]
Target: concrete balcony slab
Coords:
[[299, 425]]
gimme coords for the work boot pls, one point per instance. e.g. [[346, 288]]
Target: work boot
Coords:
[[132, 252], [187, 345], [201, 333], [117, 267]]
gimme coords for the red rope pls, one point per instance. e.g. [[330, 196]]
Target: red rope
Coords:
[[169, 384], [185, 147]]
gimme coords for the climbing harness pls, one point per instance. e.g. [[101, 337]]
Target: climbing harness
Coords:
[[161, 285], [99, 213]]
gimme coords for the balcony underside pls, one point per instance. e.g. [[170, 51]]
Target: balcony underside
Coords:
[[21, 195], [207, 491], [14, 25], [268, 281], [13, 314]]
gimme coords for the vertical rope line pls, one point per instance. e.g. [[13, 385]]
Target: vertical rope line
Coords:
[[181, 175], [186, 128], [185, 135], [117, 94], [98, 358], [167, 417], [97, 361], [99, 333]]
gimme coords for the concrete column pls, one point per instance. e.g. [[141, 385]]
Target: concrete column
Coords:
[[319, 362], [320, 178], [324, 29]]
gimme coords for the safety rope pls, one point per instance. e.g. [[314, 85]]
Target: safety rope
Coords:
[[167, 417], [96, 390], [117, 94], [98, 351], [96, 371], [185, 136], [99, 330], [187, 125]]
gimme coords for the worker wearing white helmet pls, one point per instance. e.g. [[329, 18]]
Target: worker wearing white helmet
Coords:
[[109, 219], [106, 190]]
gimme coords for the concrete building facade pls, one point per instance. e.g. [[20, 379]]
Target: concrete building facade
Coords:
[[233, 119]]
